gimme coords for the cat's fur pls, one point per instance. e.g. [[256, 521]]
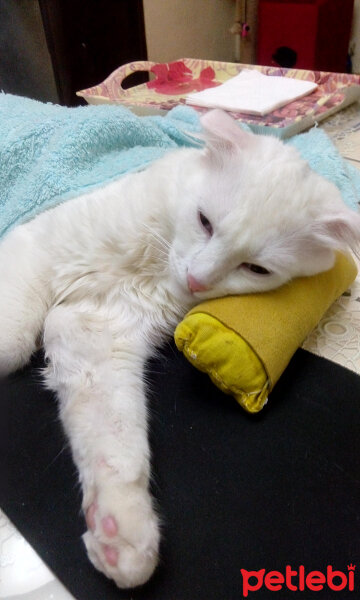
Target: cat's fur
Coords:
[[103, 278]]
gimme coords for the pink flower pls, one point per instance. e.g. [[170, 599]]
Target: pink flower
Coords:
[[176, 78]]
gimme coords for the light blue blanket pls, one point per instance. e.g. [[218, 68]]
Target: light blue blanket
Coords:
[[50, 153]]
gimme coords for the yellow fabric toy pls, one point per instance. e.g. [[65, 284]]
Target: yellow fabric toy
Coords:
[[244, 343]]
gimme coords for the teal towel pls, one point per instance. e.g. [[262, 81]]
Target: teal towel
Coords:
[[319, 151], [51, 153]]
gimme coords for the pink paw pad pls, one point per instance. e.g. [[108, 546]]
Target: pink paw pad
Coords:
[[111, 555], [109, 526]]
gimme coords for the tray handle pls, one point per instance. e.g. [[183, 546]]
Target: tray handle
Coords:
[[117, 77]]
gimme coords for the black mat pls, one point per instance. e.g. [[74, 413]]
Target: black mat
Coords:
[[235, 491]]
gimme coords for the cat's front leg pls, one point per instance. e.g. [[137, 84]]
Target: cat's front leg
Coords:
[[102, 407]]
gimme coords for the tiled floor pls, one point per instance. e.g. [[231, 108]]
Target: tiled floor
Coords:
[[23, 576]]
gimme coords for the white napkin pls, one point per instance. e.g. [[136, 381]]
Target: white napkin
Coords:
[[253, 93]]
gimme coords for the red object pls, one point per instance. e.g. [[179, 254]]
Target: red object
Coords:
[[305, 34], [176, 78]]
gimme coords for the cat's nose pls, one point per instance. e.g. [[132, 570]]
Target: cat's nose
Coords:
[[194, 285]]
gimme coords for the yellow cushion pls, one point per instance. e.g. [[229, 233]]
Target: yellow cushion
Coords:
[[245, 342]]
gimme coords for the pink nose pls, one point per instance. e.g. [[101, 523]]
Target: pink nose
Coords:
[[194, 285]]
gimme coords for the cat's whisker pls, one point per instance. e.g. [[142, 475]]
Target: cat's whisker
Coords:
[[158, 237], [161, 245], [161, 251]]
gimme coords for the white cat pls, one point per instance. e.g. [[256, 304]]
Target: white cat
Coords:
[[103, 278]]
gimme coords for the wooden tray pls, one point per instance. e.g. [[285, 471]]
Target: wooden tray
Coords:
[[173, 81]]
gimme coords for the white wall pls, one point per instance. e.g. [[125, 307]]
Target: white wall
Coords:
[[200, 29], [189, 29]]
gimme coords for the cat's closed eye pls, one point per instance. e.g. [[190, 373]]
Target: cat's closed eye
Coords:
[[206, 223], [258, 269]]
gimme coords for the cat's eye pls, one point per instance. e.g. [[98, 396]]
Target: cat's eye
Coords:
[[205, 223], [258, 269]]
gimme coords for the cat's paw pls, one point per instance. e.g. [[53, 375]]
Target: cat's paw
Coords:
[[122, 540]]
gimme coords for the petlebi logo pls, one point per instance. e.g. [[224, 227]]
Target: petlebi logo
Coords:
[[298, 580]]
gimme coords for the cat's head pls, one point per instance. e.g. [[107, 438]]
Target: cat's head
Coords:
[[253, 215]]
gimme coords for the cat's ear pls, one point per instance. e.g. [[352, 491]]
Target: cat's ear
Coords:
[[335, 230], [315, 244], [222, 132], [339, 230]]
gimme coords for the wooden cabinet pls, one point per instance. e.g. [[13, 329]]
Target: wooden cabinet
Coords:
[[88, 40], [304, 34]]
